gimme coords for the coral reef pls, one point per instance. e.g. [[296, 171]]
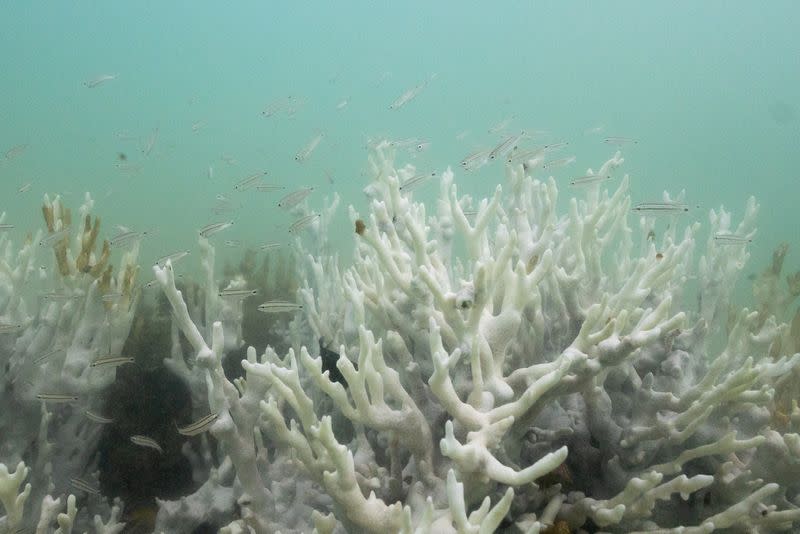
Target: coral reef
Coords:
[[479, 365]]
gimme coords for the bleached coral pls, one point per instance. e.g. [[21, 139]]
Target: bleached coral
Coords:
[[481, 364], [69, 312], [549, 375]]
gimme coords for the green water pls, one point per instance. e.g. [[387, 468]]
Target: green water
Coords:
[[709, 90]]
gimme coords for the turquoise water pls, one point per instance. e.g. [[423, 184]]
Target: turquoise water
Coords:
[[709, 90]]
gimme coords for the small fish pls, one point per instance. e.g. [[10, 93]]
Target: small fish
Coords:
[[151, 143], [557, 163], [111, 297], [343, 103], [408, 96], [238, 293], [423, 146], [500, 126], [619, 141], [269, 188], [224, 205], [294, 198], [6, 227], [199, 426], [270, 246], [307, 150], [99, 80], [111, 361], [289, 104], [127, 167], [731, 239], [56, 397], [174, 257], [210, 172], [328, 175], [24, 188], [54, 238], [124, 238], [248, 182], [302, 223], [661, 207], [589, 180], [233, 243], [525, 155], [82, 485], [144, 441], [279, 306], [414, 181], [16, 151], [59, 295], [505, 146], [97, 418], [475, 160], [199, 125], [47, 355], [213, 228], [595, 130], [555, 146], [8, 328], [230, 160]]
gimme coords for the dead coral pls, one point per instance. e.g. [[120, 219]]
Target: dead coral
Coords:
[[771, 298]]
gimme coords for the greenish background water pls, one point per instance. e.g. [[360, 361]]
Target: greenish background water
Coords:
[[708, 88]]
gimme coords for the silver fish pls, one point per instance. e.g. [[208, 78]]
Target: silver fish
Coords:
[[724, 238], [145, 441], [660, 207], [250, 181], [557, 163], [414, 181], [174, 257], [99, 80], [279, 306], [56, 397], [111, 361], [589, 180], [97, 418], [8, 328], [304, 153], [82, 485], [238, 293], [294, 198], [619, 141], [54, 238], [213, 228], [302, 223]]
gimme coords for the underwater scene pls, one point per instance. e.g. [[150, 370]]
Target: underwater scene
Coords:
[[408, 267]]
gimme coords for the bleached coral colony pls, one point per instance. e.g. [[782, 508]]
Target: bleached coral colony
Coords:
[[501, 366]]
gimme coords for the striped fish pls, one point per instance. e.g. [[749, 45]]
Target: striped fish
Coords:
[[294, 198], [279, 306], [302, 223], [82, 485], [237, 293], [97, 418], [199, 426], [213, 228], [111, 361], [56, 397], [144, 441]]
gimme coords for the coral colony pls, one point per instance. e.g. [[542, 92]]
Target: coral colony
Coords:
[[479, 366]]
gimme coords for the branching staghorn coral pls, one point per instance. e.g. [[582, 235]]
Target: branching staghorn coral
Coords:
[[550, 378], [70, 315]]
